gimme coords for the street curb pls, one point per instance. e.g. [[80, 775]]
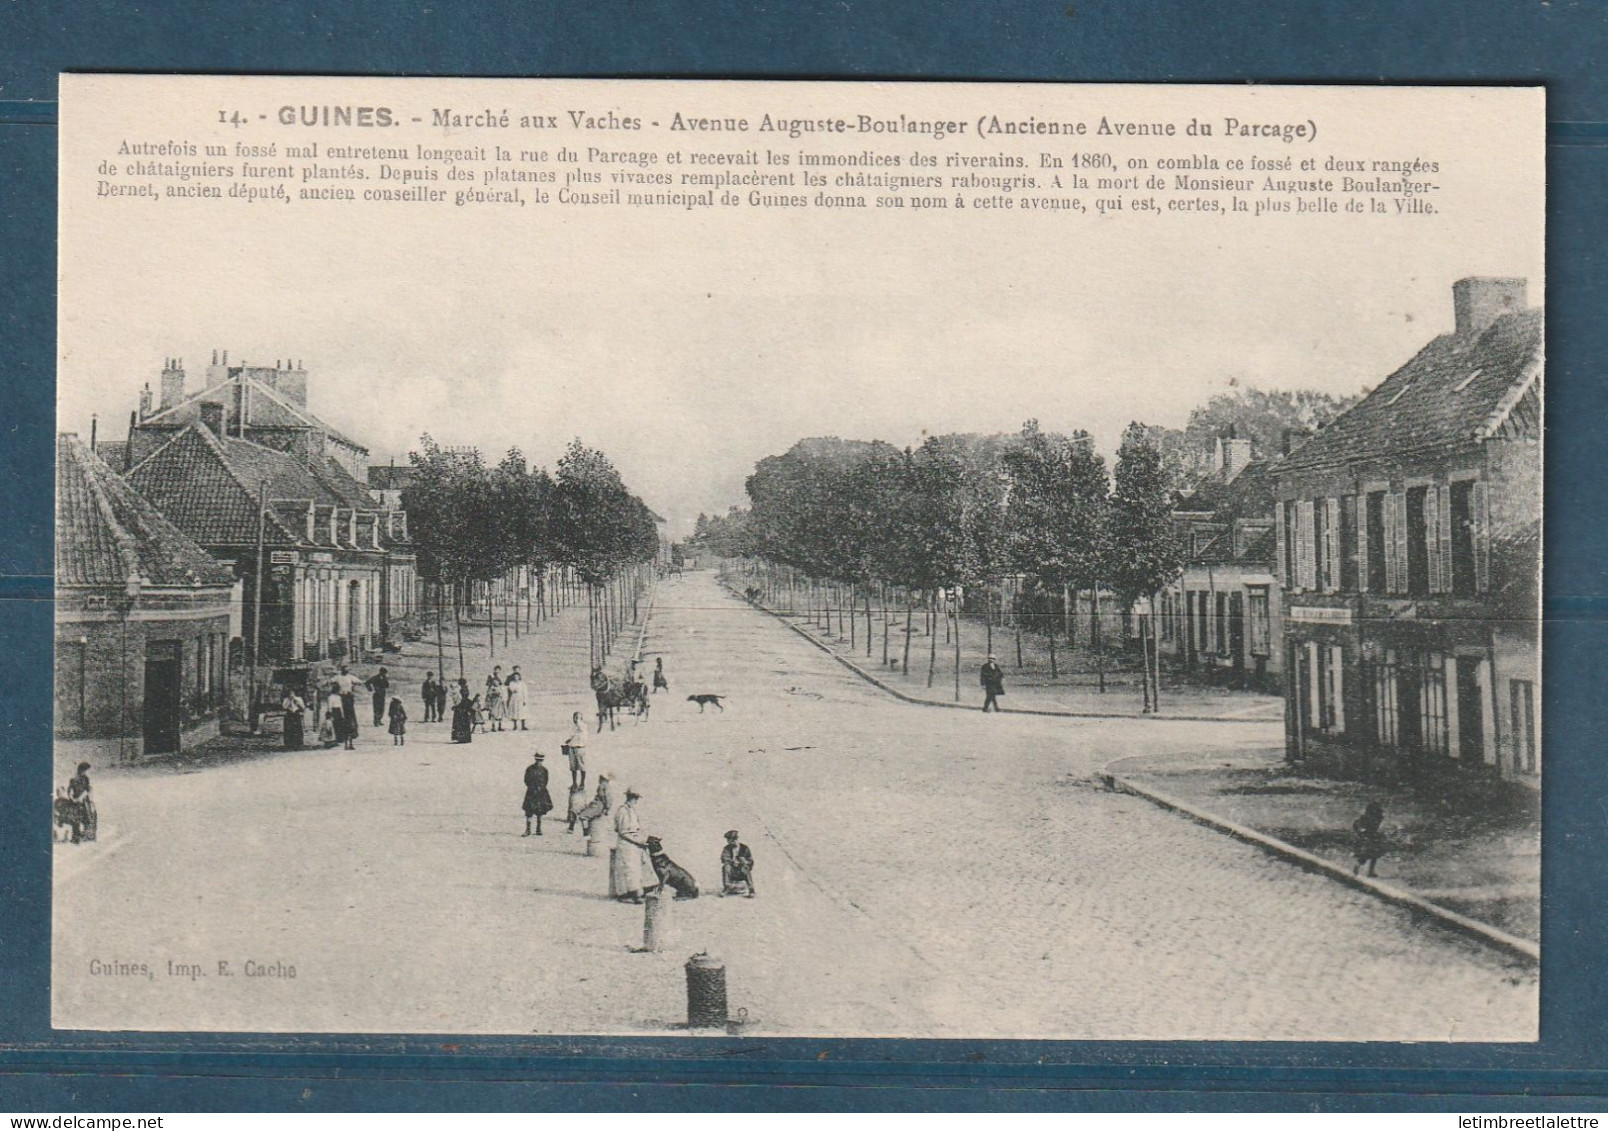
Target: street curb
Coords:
[[919, 702], [647, 618], [1480, 932]]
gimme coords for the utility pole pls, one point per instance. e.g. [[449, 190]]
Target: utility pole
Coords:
[[256, 614]]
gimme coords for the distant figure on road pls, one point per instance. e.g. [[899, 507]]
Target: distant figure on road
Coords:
[[575, 750], [463, 715], [514, 694], [659, 682], [380, 685], [293, 707], [538, 802], [992, 678], [399, 723], [1370, 841], [630, 863], [428, 693], [736, 867], [670, 874], [346, 683], [494, 698], [441, 698]]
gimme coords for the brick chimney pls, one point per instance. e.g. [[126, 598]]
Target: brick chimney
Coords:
[[212, 417], [292, 383], [1231, 455], [1478, 302], [172, 385]]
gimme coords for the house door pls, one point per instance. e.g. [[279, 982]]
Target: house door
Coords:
[[161, 705], [1470, 714], [1236, 635]]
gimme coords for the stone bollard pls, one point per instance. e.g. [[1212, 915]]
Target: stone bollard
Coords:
[[594, 842], [653, 921], [706, 992], [614, 892]]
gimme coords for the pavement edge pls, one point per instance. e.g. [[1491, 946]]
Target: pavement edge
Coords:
[[1482, 932]]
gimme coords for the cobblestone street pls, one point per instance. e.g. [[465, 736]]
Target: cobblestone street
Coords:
[[922, 872]]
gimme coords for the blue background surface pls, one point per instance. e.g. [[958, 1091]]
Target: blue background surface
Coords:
[[1563, 44]]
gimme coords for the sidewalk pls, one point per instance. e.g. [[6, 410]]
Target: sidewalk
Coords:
[[1075, 691], [1474, 852]]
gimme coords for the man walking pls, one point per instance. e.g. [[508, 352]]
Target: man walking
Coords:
[[992, 678], [380, 684], [428, 694]]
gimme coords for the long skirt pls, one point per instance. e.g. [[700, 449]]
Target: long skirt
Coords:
[[293, 730], [515, 710], [494, 708], [628, 867], [463, 723]]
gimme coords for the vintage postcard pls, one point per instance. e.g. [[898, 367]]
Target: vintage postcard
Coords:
[[840, 559]]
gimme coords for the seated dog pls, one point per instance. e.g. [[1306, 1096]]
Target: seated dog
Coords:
[[671, 875], [707, 700]]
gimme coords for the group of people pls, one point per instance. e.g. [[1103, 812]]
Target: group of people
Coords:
[[640, 864], [335, 710], [503, 701]]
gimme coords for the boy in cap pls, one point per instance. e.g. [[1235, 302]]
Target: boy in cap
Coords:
[[736, 867]]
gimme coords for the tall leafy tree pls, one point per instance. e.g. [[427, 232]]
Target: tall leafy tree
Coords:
[[1143, 550]]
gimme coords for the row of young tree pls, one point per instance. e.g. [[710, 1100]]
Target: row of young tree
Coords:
[[959, 515], [576, 532]]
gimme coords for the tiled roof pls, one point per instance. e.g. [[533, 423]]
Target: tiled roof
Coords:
[[1457, 388], [209, 495], [113, 452], [210, 487], [107, 533]]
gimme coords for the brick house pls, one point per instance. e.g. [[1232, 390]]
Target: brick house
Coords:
[[1222, 618], [142, 618], [338, 564], [1409, 547], [324, 556]]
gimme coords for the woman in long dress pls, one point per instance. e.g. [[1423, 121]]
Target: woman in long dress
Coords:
[[538, 802], [294, 723], [463, 715], [494, 698], [630, 863], [514, 700]]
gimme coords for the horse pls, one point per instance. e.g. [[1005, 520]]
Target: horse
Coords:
[[611, 696]]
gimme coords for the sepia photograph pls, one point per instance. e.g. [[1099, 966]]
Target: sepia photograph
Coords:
[[1022, 561]]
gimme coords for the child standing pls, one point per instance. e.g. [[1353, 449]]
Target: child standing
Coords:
[[399, 723]]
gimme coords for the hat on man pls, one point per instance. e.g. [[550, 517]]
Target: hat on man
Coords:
[[731, 834], [630, 793]]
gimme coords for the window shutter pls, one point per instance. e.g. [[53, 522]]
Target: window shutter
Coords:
[[1361, 543], [1432, 544], [1392, 566], [1445, 536], [1401, 542], [1280, 542], [1331, 544], [1308, 546], [1478, 515]]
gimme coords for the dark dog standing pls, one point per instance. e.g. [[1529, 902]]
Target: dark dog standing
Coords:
[[707, 700]]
